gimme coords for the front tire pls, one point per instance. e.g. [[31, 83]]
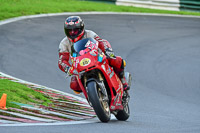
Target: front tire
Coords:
[[99, 104]]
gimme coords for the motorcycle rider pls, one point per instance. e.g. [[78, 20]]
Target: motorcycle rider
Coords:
[[74, 30]]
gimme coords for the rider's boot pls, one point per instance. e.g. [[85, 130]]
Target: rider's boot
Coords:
[[75, 86], [122, 77], [124, 82]]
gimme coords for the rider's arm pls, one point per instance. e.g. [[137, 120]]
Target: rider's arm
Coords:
[[63, 62], [64, 56], [103, 44]]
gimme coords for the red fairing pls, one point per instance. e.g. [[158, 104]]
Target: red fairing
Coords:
[[63, 60]]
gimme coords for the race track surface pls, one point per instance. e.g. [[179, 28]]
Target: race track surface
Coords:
[[162, 53]]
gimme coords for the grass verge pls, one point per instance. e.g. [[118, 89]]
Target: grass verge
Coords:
[[21, 94], [14, 8]]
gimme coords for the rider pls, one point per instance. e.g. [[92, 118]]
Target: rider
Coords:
[[74, 30]]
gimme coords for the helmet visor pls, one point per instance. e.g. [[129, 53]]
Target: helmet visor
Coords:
[[73, 32]]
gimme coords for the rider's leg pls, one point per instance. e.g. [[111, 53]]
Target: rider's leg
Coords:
[[118, 65], [115, 61]]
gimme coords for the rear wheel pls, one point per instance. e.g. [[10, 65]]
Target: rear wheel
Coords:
[[125, 113], [99, 101]]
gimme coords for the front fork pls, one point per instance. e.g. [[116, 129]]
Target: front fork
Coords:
[[100, 83]]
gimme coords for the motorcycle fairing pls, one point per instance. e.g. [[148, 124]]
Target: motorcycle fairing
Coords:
[[89, 60]]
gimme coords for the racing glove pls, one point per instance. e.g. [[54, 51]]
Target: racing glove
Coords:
[[67, 71], [109, 53]]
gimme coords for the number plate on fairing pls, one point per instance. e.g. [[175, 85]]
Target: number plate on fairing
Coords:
[[85, 62]]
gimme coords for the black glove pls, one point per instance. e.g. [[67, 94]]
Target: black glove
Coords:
[[109, 53], [67, 68]]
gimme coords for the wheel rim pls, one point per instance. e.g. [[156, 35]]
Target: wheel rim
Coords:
[[126, 109], [125, 102], [104, 102]]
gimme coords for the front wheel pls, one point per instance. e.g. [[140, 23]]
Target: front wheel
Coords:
[[99, 101]]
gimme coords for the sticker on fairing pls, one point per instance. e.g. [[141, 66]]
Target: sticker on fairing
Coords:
[[85, 62]]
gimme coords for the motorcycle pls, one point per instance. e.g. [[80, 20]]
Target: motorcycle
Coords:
[[99, 83]]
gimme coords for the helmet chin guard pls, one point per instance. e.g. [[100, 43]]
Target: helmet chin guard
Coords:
[[77, 38]]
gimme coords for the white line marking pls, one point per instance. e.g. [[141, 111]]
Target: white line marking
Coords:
[[94, 120], [55, 113], [9, 122], [89, 13], [55, 123], [29, 117]]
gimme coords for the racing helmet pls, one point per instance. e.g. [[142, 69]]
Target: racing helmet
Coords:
[[74, 28]]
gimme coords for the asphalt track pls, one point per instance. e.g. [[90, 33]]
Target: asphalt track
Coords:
[[162, 53]]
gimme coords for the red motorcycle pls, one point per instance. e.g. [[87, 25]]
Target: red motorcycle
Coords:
[[98, 81]]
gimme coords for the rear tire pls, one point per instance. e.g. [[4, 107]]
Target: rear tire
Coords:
[[100, 106], [124, 114]]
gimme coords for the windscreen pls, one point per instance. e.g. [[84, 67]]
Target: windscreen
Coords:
[[82, 47]]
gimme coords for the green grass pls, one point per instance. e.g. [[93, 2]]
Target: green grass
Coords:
[[14, 8], [21, 94]]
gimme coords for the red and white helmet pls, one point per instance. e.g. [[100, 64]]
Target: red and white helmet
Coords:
[[74, 28]]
